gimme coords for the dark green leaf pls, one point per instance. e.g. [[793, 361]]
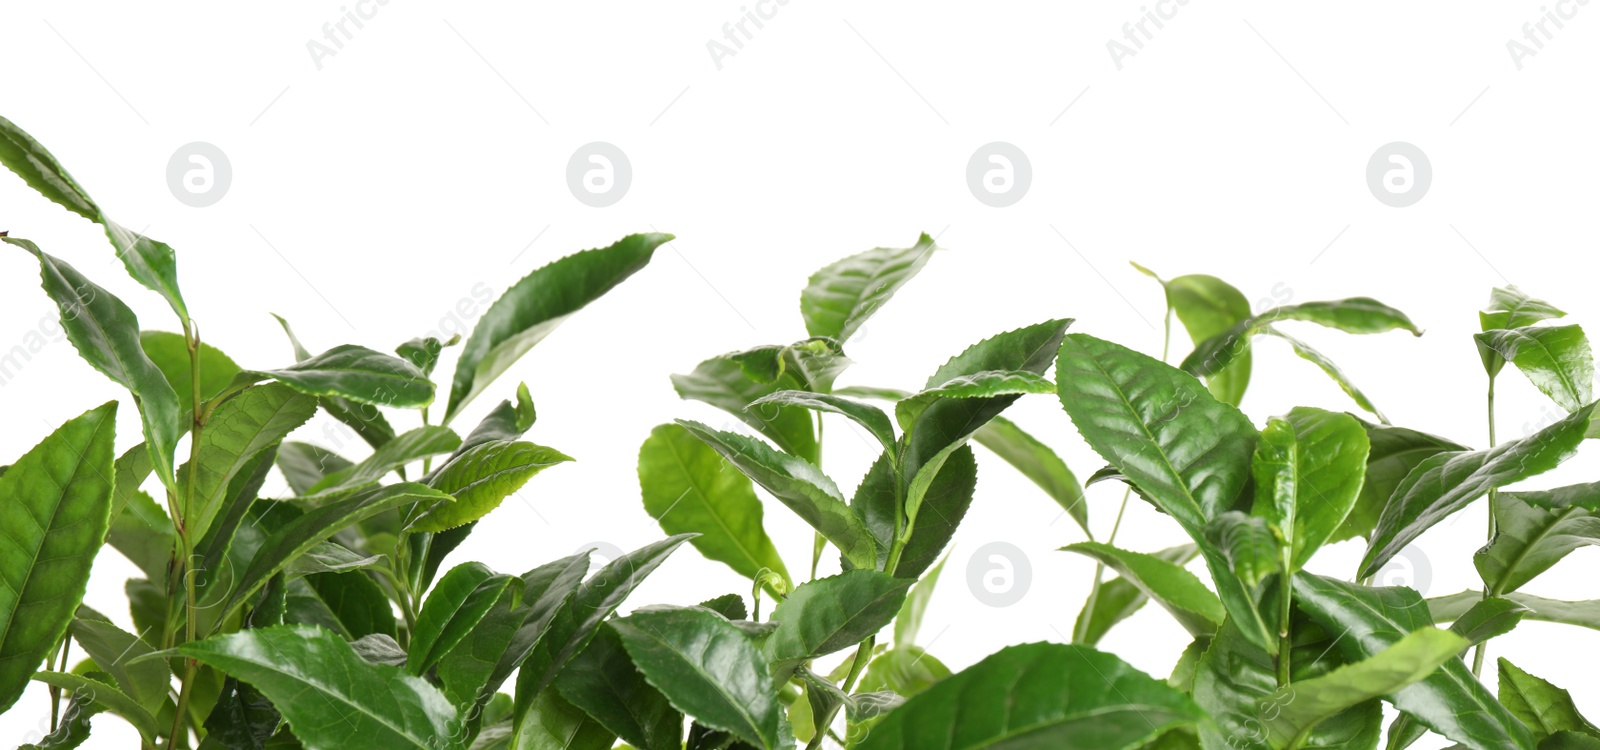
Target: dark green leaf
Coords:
[[947, 500], [1534, 530], [1329, 368], [330, 696], [1488, 618], [1352, 315], [304, 464], [117, 653], [423, 442], [1544, 707], [243, 719], [55, 507], [452, 610], [1556, 359], [603, 682], [1395, 452], [689, 488], [982, 384], [356, 601], [423, 352], [828, 615], [721, 382], [707, 668], [105, 694], [506, 422], [367, 421], [1037, 462], [554, 724], [1448, 482], [841, 296], [870, 417], [534, 306], [1172, 587], [730, 606], [481, 479], [1037, 695], [237, 432], [1119, 599], [358, 374]]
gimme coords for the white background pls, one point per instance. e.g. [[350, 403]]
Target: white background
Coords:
[[429, 155]]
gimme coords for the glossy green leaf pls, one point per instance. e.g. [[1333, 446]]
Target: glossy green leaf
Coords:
[[1329, 368], [689, 488], [1353, 315], [841, 296], [358, 374], [1309, 468], [905, 670], [1037, 695], [1534, 531], [1118, 599], [149, 262], [300, 535], [603, 681], [908, 621], [1544, 707], [170, 354], [1584, 614], [454, 607], [1394, 452], [304, 464], [1189, 453], [722, 382], [1037, 462], [1450, 701], [1169, 585], [1556, 359], [55, 507], [796, 483], [1448, 482], [331, 697], [1510, 307], [946, 502], [359, 604], [1207, 306], [831, 614], [73, 728], [1251, 549], [481, 479], [1566, 740], [869, 417], [555, 724], [106, 695], [367, 421], [536, 305], [106, 334], [423, 351], [118, 653], [237, 432], [1488, 618], [142, 532], [423, 442], [810, 365], [243, 719], [507, 421], [982, 384], [707, 668]]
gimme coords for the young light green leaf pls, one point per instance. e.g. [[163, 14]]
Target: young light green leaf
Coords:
[[1037, 695], [707, 668], [536, 305], [1545, 708], [1353, 315], [423, 351], [1447, 482], [1584, 614], [1394, 452], [1510, 307], [1309, 469], [1207, 306], [358, 374], [481, 479], [1331, 369], [237, 432], [841, 296], [870, 417], [1172, 587], [552, 724], [603, 681], [1556, 359], [798, 484], [331, 697], [905, 670], [55, 507], [831, 614], [723, 383], [689, 488], [106, 334], [1534, 530], [1450, 701], [106, 695], [453, 609], [507, 421], [170, 353], [423, 442], [1037, 462]]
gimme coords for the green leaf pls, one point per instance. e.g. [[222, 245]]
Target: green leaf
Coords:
[[534, 306], [330, 696], [1249, 546], [368, 422], [1186, 451], [555, 724], [304, 464], [170, 353], [908, 621], [603, 682], [424, 351], [106, 695], [505, 422], [1394, 453], [118, 653], [106, 334], [149, 262], [1037, 462], [73, 728], [870, 417], [831, 614], [1534, 530], [423, 442], [1175, 589], [1309, 469], [453, 609], [948, 497], [1037, 695], [358, 374], [1510, 307], [243, 719], [55, 507], [481, 479], [722, 382], [1556, 360], [1119, 599], [1448, 482], [1565, 740], [1207, 306], [841, 296], [1488, 618], [977, 385], [798, 484], [1584, 614], [237, 432], [303, 533], [707, 668], [689, 488], [359, 604], [1353, 315], [905, 670], [1544, 707], [1450, 701], [143, 534], [1329, 368]]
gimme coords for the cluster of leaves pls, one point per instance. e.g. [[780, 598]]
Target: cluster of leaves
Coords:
[[322, 620]]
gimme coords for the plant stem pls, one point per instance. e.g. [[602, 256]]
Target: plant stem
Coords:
[[191, 334], [1478, 651], [863, 655], [55, 692]]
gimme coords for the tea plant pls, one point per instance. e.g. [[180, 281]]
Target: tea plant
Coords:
[[328, 618]]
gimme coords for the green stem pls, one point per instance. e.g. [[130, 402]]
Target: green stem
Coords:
[[55, 692], [191, 335], [1479, 650], [863, 655]]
